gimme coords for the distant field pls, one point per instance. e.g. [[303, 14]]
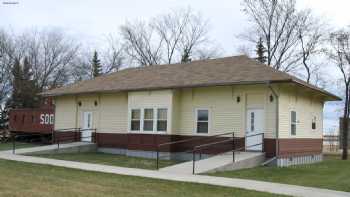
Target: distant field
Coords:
[[22, 179], [332, 173]]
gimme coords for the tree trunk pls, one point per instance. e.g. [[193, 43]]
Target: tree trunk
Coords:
[[346, 124], [345, 138]]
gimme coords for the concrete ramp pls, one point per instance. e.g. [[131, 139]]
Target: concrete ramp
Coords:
[[221, 162]]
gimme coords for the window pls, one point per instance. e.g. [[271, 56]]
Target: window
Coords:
[[202, 121], [148, 120], [313, 124], [135, 119], [162, 119], [293, 122]]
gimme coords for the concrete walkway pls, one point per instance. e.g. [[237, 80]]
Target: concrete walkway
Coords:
[[212, 163], [217, 181]]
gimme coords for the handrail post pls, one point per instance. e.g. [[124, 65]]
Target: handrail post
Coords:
[[52, 136], [233, 147], [157, 158], [14, 144], [193, 160], [58, 143], [263, 142]]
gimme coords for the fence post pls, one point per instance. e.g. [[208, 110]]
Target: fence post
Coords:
[[14, 144]]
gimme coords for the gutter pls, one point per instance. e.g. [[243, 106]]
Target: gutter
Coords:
[[277, 117]]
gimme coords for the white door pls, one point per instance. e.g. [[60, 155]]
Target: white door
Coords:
[[255, 126], [87, 127]]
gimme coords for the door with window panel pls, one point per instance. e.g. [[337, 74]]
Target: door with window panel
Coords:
[[254, 127]]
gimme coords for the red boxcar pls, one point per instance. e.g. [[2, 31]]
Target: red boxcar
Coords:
[[33, 120]]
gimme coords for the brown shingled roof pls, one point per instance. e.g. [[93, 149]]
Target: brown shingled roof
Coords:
[[201, 73]]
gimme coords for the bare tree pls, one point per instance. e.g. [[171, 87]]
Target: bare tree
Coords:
[[168, 38], [141, 43], [276, 22], [51, 53], [311, 33], [339, 52], [171, 28], [6, 61], [113, 55]]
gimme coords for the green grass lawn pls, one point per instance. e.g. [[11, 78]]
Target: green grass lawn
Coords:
[[332, 173], [110, 159], [8, 145], [22, 179]]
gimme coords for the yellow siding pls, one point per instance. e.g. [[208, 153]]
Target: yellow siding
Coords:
[[87, 105], [226, 114], [113, 113], [307, 106], [152, 99], [65, 111]]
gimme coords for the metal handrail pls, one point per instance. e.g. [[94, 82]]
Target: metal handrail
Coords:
[[14, 136], [187, 140], [234, 149], [193, 139], [74, 136]]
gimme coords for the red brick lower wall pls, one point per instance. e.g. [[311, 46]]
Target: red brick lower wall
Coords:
[[149, 142], [67, 136], [298, 147]]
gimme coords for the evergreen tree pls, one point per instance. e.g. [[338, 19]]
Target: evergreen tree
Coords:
[[96, 66], [16, 100], [3, 118], [30, 91], [25, 91], [260, 52], [185, 58]]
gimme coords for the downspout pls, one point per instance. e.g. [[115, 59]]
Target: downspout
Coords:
[[277, 117]]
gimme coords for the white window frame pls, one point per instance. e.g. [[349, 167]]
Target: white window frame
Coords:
[[155, 118], [196, 121], [130, 120], [143, 120], [293, 123], [167, 120]]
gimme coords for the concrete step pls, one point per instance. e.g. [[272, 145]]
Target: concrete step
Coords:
[[221, 162]]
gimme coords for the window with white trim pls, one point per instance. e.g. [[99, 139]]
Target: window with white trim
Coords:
[[162, 119], [202, 124], [148, 118], [135, 120], [293, 122]]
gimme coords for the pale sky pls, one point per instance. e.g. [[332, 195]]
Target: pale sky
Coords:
[[91, 20]]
